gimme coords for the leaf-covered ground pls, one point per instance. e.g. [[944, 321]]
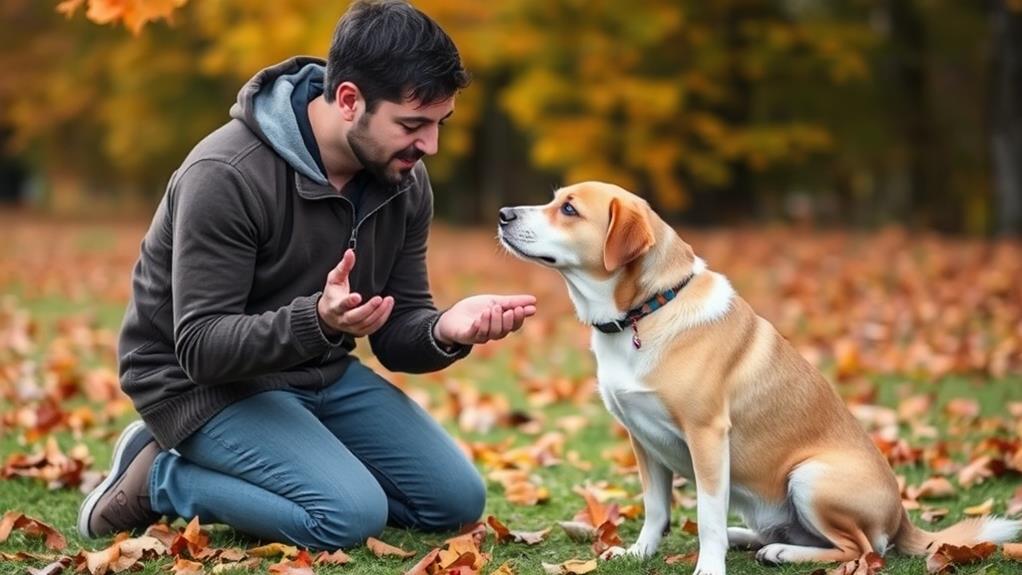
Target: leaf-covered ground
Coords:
[[921, 334]]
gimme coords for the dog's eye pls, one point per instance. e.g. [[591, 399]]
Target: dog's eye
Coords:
[[568, 209]]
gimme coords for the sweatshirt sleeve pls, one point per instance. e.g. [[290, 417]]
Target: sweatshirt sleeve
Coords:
[[216, 235], [405, 343]]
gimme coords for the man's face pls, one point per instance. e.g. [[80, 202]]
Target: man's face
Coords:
[[390, 140]]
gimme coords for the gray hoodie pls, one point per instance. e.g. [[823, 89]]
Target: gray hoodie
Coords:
[[225, 288]]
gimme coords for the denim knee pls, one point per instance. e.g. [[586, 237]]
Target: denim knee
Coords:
[[352, 514], [455, 503]]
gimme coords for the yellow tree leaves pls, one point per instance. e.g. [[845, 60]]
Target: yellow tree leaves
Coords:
[[656, 96], [132, 13]]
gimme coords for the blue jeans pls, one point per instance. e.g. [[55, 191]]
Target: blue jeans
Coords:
[[322, 469]]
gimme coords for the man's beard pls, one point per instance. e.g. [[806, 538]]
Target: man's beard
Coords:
[[374, 159]]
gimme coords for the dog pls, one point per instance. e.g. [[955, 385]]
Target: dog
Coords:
[[709, 390]]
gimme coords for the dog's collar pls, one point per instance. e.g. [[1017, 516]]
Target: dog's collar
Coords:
[[649, 306]]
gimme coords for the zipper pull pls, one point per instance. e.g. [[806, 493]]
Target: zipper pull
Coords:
[[353, 241]]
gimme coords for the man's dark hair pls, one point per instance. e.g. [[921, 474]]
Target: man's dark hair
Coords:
[[391, 50]]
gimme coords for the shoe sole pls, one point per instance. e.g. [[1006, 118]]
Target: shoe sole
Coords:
[[87, 506]]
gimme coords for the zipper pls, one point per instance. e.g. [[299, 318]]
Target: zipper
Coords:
[[353, 240]]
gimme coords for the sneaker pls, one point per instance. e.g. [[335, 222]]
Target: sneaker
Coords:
[[121, 501]]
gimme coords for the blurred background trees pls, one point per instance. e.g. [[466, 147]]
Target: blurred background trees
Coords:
[[857, 113]]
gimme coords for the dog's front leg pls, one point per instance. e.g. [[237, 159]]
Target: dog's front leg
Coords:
[[656, 498], [711, 464]]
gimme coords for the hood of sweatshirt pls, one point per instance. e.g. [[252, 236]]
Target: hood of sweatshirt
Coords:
[[264, 105]]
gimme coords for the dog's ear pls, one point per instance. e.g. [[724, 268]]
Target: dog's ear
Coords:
[[629, 236]]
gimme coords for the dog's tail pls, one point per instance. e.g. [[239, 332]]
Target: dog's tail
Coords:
[[912, 540]]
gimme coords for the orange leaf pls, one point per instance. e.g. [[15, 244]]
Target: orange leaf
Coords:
[[381, 549], [338, 557], [606, 537], [1012, 551], [423, 566], [685, 559], [183, 566], [14, 520], [690, 527], [947, 556], [570, 567]]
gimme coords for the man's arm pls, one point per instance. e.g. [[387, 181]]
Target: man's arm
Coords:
[[216, 220], [406, 342]]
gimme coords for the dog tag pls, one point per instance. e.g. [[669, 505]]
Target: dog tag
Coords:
[[636, 341]]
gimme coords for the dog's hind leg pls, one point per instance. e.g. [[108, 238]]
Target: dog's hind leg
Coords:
[[832, 504], [743, 538]]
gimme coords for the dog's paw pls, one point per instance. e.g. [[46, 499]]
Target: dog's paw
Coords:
[[639, 550], [772, 554], [705, 568], [613, 553]]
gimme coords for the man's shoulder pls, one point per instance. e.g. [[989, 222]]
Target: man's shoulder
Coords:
[[234, 144]]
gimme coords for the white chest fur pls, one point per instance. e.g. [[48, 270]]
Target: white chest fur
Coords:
[[621, 368]]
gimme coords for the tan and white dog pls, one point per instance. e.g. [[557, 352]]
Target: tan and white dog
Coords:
[[710, 390]]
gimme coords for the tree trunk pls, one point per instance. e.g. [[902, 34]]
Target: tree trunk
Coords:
[[1006, 117]]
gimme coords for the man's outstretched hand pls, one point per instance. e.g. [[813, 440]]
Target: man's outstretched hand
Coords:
[[481, 318], [339, 309]]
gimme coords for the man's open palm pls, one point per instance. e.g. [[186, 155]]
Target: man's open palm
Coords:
[[482, 318], [339, 308]]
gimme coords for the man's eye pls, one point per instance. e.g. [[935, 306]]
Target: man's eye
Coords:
[[568, 209], [409, 128]]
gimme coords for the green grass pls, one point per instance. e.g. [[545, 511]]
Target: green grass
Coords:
[[59, 508]]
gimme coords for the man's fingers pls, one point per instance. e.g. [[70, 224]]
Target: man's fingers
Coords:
[[519, 318], [377, 318], [513, 301], [358, 315], [339, 274], [496, 319], [482, 326], [507, 322], [530, 310]]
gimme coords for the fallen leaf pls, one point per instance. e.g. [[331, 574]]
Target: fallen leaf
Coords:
[[570, 567], [300, 565], [690, 527], [934, 487], [982, 509], [381, 549], [54, 568], [683, 559], [424, 564], [504, 534], [869, 564], [946, 557], [606, 537], [15, 520], [183, 566], [338, 557], [578, 531], [274, 550], [934, 514], [249, 564]]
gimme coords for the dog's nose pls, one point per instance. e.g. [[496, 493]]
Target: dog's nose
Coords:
[[506, 216]]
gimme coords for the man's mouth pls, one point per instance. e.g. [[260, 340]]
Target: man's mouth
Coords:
[[408, 158]]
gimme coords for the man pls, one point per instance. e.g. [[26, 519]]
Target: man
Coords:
[[235, 346]]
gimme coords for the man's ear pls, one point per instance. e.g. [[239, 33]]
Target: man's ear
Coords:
[[347, 98], [629, 236]]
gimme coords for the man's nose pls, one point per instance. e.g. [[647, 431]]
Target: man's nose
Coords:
[[429, 143], [507, 215]]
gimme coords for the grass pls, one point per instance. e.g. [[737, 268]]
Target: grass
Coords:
[[495, 374]]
